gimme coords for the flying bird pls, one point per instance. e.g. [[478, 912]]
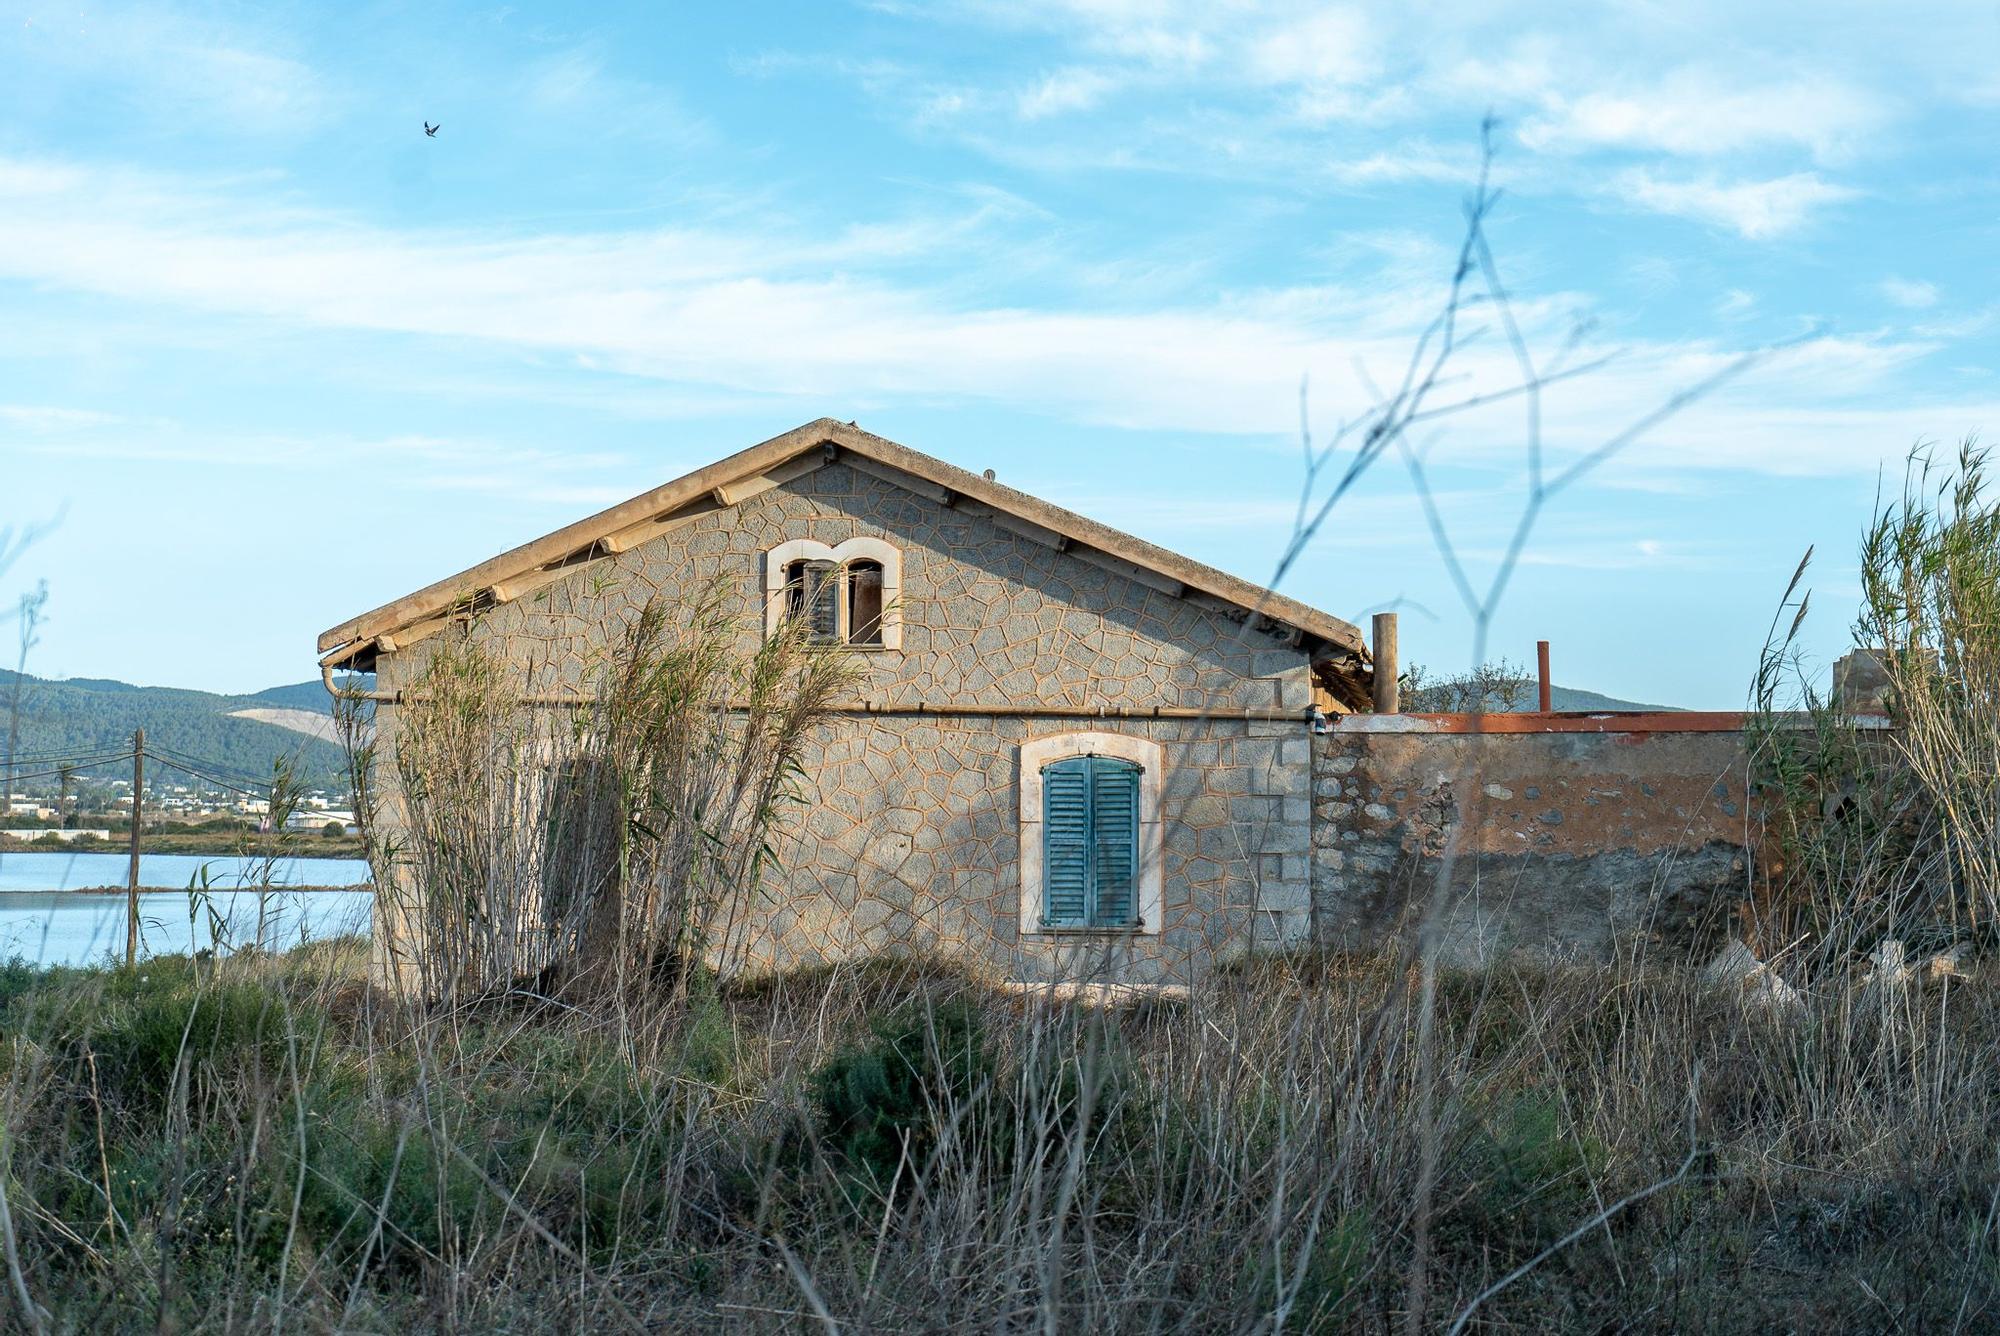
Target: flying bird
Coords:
[[432, 130]]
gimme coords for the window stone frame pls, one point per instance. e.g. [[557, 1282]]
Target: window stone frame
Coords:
[[1151, 758], [885, 554]]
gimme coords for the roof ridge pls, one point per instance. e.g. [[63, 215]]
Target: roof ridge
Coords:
[[577, 540]]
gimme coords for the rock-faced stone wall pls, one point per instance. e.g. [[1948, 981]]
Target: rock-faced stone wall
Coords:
[[909, 840], [1561, 843], [912, 845]]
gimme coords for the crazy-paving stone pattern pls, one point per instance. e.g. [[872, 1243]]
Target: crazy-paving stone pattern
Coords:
[[1563, 844], [911, 839]]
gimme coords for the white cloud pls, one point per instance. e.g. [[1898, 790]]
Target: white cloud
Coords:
[[1756, 210], [1248, 88], [1697, 113], [1910, 294], [1069, 90], [1735, 304], [41, 418], [735, 311], [1332, 46], [579, 84]]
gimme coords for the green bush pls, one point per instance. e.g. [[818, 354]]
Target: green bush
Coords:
[[1529, 1181], [880, 1103], [226, 1032], [1319, 1281]]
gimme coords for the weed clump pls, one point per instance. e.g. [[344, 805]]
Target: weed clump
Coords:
[[882, 1105], [219, 1036]]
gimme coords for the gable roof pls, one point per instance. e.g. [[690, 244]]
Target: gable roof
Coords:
[[501, 579]]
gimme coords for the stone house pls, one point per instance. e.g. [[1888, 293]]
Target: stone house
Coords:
[[1074, 754]]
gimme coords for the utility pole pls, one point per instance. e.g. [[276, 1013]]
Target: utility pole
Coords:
[[132, 881], [62, 801]]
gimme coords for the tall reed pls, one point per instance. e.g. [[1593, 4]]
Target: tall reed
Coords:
[[1930, 571], [601, 845]]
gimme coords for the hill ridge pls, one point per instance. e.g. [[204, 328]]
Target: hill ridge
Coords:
[[85, 716]]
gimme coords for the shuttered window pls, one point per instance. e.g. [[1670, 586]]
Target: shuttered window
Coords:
[[839, 604], [1090, 832], [812, 591]]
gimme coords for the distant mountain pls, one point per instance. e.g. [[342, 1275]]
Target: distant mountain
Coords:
[[1458, 692], [1576, 698], [87, 716], [298, 696]]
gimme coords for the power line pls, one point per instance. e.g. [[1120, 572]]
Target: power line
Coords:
[[172, 764], [56, 765], [196, 763], [92, 765], [63, 758]]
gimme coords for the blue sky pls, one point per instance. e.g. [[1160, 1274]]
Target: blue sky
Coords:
[[274, 357]]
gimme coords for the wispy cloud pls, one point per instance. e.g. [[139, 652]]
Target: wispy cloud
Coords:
[[1696, 113], [1068, 90], [1755, 210], [480, 466], [176, 66], [580, 84], [43, 418], [1735, 304], [1910, 294], [743, 311]]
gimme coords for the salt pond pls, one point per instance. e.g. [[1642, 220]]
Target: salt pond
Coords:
[[46, 916]]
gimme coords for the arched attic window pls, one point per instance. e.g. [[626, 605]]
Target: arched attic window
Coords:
[[845, 594]]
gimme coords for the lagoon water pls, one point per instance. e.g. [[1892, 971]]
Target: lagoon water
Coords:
[[47, 917]]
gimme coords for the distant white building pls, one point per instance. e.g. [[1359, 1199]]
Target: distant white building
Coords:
[[319, 820]]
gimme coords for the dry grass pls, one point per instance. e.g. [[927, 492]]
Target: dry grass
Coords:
[[261, 1143]]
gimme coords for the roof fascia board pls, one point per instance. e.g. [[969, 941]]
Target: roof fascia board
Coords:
[[944, 496], [645, 531], [736, 493]]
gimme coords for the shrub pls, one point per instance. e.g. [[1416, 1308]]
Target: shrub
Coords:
[[1930, 574], [1316, 1288], [882, 1103], [604, 849], [227, 1032], [1528, 1179]]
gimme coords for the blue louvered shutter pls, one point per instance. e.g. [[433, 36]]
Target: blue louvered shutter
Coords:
[[1066, 843], [1090, 843], [1114, 821]]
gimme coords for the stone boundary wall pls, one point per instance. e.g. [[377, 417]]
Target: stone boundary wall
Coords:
[[1568, 839]]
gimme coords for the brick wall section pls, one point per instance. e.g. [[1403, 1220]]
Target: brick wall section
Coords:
[[1566, 843]]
